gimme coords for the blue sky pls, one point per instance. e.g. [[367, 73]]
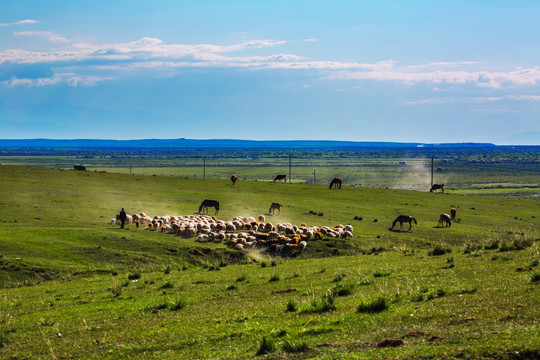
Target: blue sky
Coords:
[[406, 71]]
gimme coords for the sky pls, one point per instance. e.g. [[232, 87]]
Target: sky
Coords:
[[400, 71]]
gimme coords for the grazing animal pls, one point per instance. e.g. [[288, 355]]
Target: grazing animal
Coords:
[[445, 218], [402, 219], [233, 179], [79, 167], [453, 213], [436, 187], [336, 183], [262, 218], [275, 206], [280, 177], [209, 203]]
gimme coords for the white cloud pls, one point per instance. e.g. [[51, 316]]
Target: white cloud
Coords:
[[153, 53], [473, 100], [49, 35], [70, 79], [22, 22]]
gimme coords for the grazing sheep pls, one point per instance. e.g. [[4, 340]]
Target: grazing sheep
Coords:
[[262, 218]]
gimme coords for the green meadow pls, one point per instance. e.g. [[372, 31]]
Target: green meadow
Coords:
[[74, 286]]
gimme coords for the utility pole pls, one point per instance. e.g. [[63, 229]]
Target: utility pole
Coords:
[[314, 179], [432, 171], [129, 169], [289, 169]]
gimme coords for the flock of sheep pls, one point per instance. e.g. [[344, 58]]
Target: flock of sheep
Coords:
[[242, 233]]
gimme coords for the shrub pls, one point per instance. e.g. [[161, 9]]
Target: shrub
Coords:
[[264, 264], [534, 263], [167, 270], [535, 278], [231, 287], [338, 277], [274, 277], [266, 346], [273, 263], [375, 305]]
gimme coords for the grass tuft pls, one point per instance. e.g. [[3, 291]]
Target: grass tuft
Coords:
[[266, 346], [293, 346], [375, 305], [291, 305]]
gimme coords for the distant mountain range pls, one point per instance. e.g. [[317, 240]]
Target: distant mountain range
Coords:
[[216, 143]]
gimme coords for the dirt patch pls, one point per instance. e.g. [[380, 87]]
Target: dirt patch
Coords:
[[390, 343], [285, 291]]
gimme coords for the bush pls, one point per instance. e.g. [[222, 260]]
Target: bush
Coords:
[[231, 287], [326, 304], [266, 346], [274, 277], [338, 277], [535, 278], [375, 305]]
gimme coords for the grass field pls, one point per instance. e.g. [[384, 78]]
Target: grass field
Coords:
[[74, 286]]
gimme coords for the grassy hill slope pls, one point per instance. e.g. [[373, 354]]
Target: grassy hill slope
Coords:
[[76, 286]]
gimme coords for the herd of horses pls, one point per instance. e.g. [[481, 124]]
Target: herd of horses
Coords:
[[444, 219]]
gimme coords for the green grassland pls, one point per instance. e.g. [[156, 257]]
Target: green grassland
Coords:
[[75, 286]]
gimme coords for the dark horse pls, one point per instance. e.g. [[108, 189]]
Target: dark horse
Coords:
[[273, 207], [280, 177], [402, 219], [233, 179], [336, 183], [209, 203], [435, 187]]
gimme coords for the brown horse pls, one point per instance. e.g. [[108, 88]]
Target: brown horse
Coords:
[[280, 177], [453, 213], [402, 219], [209, 203], [445, 219], [336, 183], [435, 187], [275, 206], [234, 178]]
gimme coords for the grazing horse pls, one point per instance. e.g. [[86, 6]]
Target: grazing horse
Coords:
[[336, 183], [444, 219], [233, 179], [402, 219], [453, 213], [435, 187], [209, 203], [273, 207], [280, 177]]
